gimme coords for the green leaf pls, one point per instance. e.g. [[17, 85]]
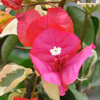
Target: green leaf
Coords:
[[4, 97], [27, 63], [18, 56], [1, 43], [78, 17], [89, 63], [73, 94], [96, 23], [2, 7], [85, 96], [8, 46], [95, 80]]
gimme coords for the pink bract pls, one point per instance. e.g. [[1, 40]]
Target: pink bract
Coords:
[[24, 20], [65, 70], [62, 18], [20, 98], [14, 4], [28, 31]]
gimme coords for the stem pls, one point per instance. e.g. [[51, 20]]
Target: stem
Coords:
[[61, 4], [87, 18], [85, 25], [28, 81], [34, 87], [28, 88], [78, 86], [41, 3], [23, 48], [86, 89]]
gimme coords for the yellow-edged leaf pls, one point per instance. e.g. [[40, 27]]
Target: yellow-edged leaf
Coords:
[[11, 28], [51, 89], [11, 76], [4, 16]]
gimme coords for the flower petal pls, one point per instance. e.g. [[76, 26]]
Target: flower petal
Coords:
[[47, 73], [72, 66], [19, 98], [24, 20], [14, 4], [40, 25], [54, 78], [62, 18], [68, 42], [40, 66]]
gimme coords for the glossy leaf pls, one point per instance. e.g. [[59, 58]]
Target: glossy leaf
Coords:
[[8, 46], [27, 63], [78, 17], [11, 76], [95, 80], [4, 97], [96, 23], [73, 94], [89, 63]]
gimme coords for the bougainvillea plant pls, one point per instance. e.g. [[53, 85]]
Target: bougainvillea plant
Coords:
[[49, 50]]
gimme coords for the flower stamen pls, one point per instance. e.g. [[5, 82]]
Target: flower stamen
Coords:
[[55, 51]]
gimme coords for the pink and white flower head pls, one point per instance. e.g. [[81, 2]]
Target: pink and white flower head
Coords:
[[60, 65]]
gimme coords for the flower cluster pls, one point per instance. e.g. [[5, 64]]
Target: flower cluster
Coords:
[[54, 44], [60, 65]]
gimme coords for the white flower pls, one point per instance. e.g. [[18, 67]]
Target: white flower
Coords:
[[55, 51]]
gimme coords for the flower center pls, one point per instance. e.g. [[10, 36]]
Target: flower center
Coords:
[[58, 64], [55, 51]]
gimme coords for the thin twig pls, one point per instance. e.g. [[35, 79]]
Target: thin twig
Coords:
[[52, 5], [87, 18], [34, 87], [22, 48], [86, 89], [41, 3]]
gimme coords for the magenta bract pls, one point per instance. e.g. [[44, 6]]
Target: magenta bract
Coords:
[[59, 69], [20, 98]]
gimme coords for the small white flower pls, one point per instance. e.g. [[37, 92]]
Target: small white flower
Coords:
[[55, 51]]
